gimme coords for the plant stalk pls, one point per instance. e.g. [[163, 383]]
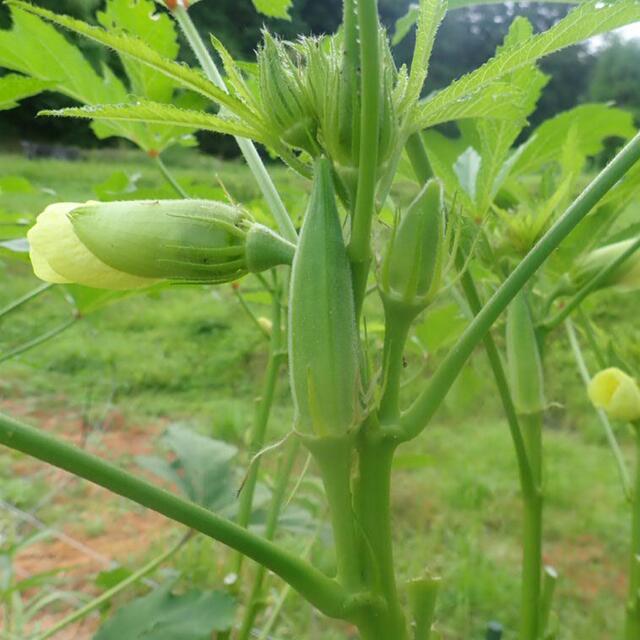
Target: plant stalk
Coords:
[[322, 592], [419, 415], [360, 242], [39, 340], [279, 495], [621, 465], [175, 185], [277, 358], [373, 504], [16, 304], [248, 149]]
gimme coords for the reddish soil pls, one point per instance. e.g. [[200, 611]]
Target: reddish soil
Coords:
[[116, 531]]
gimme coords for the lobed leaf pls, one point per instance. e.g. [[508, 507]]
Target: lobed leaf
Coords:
[[497, 100], [158, 113], [589, 19], [431, 14], [405, 24], [274, 8], [14, 87], [138, 50]]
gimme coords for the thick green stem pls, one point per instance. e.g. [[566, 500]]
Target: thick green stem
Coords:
[[175, 185], [279, 495], [322, 592], [16, 304], [248, 149], [360, 242], [632, 623], [531, 569], [419, 415], [375, 458], [263, 411], [334, 457]]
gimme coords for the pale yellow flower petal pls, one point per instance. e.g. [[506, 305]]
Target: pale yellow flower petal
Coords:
[[617, 393]]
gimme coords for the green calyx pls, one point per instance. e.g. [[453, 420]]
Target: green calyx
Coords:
[[323, 336], [183, 240], [413, 267]]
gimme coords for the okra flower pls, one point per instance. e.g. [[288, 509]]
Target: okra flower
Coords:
[[130, 245], [617, 393]]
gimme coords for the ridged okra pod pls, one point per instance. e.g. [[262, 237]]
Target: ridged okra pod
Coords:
[[323, 337]]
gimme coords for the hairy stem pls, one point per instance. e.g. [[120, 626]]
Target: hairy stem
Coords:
[[248, 149], [419, 415], [322, 592]]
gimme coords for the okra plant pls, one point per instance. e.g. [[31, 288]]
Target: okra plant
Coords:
[[338, 111]]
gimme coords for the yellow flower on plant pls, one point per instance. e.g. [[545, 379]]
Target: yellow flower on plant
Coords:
[[129, 245], [617, 393]]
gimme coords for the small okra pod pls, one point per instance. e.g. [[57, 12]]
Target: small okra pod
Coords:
[[323, 336]]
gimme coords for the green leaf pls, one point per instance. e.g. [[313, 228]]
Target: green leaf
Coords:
[[14, 87], [499, 100], [163, 616], [593, 123], [138, 50], [202, 467], [139, 18], [431, 14], [587, 20], [87, 300], [274, 8], [158, 113], [441, 327], [405, 24]]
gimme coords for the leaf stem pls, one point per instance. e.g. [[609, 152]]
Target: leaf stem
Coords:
[[170, 178], [27, 297], [108, 595], [277, 358], [621, 465], [419, 415], [283, 476], [322, 592], [248, 149], [36, 342], [632, 622]]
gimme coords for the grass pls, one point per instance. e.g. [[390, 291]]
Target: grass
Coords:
[[190, 353]]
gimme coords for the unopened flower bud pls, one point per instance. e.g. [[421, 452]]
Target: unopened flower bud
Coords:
[[286, 104], [127, 245], [412, 271], [626, 276], [617, 393]]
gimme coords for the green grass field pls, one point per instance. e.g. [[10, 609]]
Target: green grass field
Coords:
[[191, 354]]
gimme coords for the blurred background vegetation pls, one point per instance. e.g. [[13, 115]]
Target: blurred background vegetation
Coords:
[[608, 70]]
